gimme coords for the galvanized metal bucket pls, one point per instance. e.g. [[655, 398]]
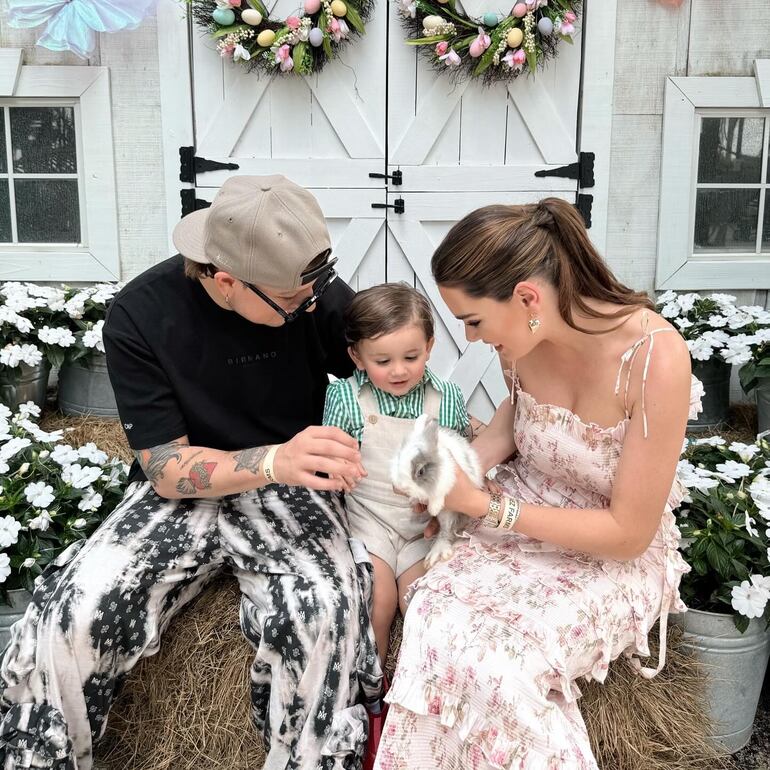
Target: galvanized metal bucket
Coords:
[[762, 394], [24, 383], [18, 599], [736, 666], [715, 376], [86, 389]]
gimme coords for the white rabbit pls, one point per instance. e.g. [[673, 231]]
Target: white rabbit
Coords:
[[424, 470]]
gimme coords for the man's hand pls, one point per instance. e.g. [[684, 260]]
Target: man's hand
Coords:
[[319, 450]]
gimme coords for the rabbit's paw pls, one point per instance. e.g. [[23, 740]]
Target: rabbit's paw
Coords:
[[442, 550]]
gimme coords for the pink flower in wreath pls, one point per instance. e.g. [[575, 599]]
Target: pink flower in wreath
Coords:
[[570, 17], [235, 3], [292, 22], [451, 58], [480, 44], [283, 56], [339, 29], [441, 48], [515, 59]]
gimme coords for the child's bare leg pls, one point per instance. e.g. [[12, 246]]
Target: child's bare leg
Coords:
[[385, 600], [405, 579]]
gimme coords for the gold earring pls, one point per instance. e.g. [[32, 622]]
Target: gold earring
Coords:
[[227, 298], [534, 324]]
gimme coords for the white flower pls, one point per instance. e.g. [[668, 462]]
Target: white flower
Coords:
[[738, 320], [92, 338], [5, 412], [700, 349], [760, 494], [760, 581], [723, 299], [12, 447], [40, 435], [717, 321], [749, 600], [670, 310], [239, 52], [59, 335], [687, 301], [39, 494], [28, 409], [91, 502], [666, 297], [64, 454], [41, 521], [9, 531], [91, 453], [695, 478], [736, 353], [5, 567], [711, 441], [683, 323], [733, 470], [28, 563], [750, 528], [80, 477], [104, 292], [744, 451], [12, 355], [407, 8], [79, 523], [76, 305]]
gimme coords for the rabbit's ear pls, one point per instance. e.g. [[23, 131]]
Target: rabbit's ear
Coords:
[[430, 434]]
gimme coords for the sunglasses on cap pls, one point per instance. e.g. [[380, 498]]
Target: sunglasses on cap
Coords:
[[321, 277]]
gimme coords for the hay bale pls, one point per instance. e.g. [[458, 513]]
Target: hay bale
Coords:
[[106, 433], [188, 706]]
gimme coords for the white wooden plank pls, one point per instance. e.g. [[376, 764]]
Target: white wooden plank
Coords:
[[478, 178], [354, 244], [55, 82], [471, 365], [175, 96], [434, 111], [10, 66], [483, 127], [762, 76], [599, 26], [722, 92], [535, 105], [291, 126], [718, 275], [345, 114], [54, 266]]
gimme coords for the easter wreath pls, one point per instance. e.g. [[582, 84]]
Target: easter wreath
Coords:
[[489, 48], [301, 43]]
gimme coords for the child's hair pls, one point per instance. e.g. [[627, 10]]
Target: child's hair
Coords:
[[385, 308]]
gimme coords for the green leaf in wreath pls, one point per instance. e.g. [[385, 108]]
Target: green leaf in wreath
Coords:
[[532, 60], [258, 6], [224, 31], [327, 46], [355, 20], [298, 56], [567, 39], [426, 40]]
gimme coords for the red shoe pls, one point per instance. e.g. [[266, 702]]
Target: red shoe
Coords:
[[376, 725]]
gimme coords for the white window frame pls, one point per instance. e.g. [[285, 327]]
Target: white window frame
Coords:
[[97, 257], [687, 99]]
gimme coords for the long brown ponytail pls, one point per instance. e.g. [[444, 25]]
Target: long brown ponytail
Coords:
[[494, 248]]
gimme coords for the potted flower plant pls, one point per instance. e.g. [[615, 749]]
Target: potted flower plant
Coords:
[[84, 385], [52, 495], [708, 325], [753, 352], [724, 526], [32, 339]]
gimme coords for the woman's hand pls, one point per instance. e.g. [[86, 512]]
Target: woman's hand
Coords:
[[465, 497]]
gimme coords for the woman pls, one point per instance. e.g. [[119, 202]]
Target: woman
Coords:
[[572, 564]]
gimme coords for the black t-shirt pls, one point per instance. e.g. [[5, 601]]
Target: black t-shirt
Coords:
[[182, 365]]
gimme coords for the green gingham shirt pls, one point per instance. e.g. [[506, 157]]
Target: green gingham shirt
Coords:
[[342, 410]]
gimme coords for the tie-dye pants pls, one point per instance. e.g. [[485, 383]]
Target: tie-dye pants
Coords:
[[105, 603]]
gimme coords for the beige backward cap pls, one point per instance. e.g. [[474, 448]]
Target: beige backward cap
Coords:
[[260, 229]]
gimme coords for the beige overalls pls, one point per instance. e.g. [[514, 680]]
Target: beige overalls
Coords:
[[382, 519]]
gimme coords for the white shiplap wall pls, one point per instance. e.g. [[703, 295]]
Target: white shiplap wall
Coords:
[[133, 61]]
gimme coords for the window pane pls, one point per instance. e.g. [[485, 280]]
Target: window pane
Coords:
[[47, 210], [3, 153], [766, 224], [6, 235], [731, 150], [726, 220], [43, 140]]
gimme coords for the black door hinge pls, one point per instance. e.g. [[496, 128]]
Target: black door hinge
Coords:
[[190, 203], [190, 165], [397, 176], [397, 206], [583, 170], [584, 205]]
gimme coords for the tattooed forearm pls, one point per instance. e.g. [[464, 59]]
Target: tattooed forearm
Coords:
[[154, 460], [198, 479], [249, 459], [190, 459]]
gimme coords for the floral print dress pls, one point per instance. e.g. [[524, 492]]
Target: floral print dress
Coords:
[[495, 638]]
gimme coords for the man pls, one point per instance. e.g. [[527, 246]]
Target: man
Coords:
[[219, 362]]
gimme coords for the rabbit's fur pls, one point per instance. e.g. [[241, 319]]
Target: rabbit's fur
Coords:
[[424, 470]]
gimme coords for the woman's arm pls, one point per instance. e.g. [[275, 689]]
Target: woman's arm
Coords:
[[644, 476], [495, 443]]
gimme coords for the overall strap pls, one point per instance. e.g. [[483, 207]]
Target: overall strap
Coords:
[[367, 401], [629, 357], [432, 401]]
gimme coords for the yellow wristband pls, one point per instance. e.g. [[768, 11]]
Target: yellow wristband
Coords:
[[267, 464]]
